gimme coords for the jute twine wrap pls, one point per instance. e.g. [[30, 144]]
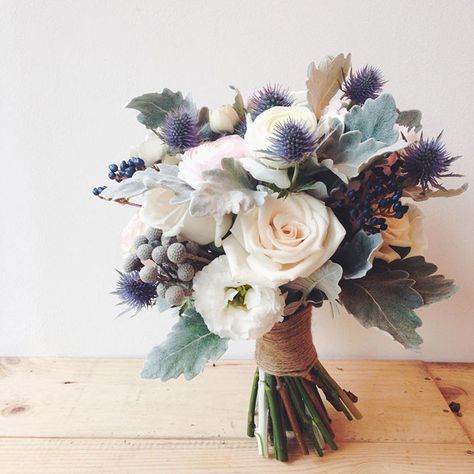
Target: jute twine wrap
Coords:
[[288, 349]]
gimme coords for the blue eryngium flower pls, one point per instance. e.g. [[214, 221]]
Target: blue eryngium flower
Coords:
[[292, 140], [366, 83], [268, 97], [180, 130], [426, 161], [133, 292]]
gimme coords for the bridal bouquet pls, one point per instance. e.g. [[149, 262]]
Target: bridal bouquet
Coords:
[[251, 214]]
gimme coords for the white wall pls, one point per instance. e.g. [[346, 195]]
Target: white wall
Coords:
[[68, 67]]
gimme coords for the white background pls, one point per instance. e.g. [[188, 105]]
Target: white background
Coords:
[[67, 69]]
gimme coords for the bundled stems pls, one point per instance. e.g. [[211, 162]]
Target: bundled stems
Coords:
[[287, 403]]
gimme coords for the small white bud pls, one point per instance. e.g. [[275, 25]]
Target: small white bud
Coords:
[[223, 119]]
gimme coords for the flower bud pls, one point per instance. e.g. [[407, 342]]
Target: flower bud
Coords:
[[223, 119]]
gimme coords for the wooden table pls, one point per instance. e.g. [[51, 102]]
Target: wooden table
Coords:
[[97, 416]]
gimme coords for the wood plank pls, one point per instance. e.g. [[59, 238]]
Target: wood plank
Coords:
[[106, 398], [456, 383], [86, 456]]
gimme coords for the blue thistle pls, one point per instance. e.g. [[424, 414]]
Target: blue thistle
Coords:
[[366, 83], [426, 161], [180, 130], [292, 140], [241, 128], [134, 292], [268, 97]]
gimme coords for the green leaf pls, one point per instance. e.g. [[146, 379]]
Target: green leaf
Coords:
[[385, 300], [432, 288], [410, 119], [375, 119], [186, 350], [325, 279], [154, 106], [356, 256], [402, 251], [227, 190]]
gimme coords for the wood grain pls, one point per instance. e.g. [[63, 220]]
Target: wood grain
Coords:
[[456, 383], [90, 416]]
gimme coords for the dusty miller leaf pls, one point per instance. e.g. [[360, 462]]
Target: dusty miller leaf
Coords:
[[238, 105], [410, 119], [432, 288], [370, 134], [325, 278], [385, 300], [154, 106], [186, 350], [324, 81], [227, 190], [375, 119], [417, 194], [168, 178], [140, 182], [357, 255]]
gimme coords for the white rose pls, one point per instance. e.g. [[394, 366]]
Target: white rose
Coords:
[[234, 308], [257, 137], [283, 240], [131, 231], [223, 119], [175, 219], [151, 151], [405, 232]]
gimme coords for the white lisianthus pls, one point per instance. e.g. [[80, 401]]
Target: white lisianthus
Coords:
[[175, 219], [152, 150], [234, 308], [223, 119], [405, 232], [283, 240], [257, 137]]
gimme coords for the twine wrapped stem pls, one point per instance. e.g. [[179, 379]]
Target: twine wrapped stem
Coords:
[[288, 349]]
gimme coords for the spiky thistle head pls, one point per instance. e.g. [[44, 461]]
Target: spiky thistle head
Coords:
[[180, 130], [426, 161], [366, 83], [133, 292], [292, 140], [268, 97]]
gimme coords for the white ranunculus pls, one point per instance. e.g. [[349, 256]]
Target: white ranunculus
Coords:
[[195, 161], [235, 308], [223, 119], [175, 219], [405, 232], [283, 240], [257, 137], [151, 151]]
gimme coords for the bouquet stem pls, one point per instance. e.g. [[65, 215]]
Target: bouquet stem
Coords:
[[293, 404]]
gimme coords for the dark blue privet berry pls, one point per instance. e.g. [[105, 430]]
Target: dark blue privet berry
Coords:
[[123, 166], [113, 167]]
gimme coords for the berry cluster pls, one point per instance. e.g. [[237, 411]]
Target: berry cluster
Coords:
[[169, 263], [126, 169], [98, 190], [372, 197]]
